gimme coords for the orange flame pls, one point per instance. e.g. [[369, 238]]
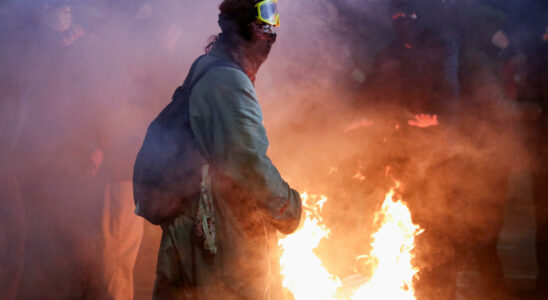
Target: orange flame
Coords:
[[303, 272], [305, 276], [392, 256]]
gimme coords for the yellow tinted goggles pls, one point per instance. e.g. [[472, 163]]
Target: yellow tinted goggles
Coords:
[[267, 12]]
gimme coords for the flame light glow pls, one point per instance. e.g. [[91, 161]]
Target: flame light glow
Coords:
[[303, 272], [392, 245], [391, 256]]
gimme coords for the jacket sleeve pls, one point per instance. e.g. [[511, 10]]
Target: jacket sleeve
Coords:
[[238, 145]]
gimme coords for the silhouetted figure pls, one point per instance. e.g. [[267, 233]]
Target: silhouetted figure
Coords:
[[413, 93], [417, 73], [75, 159], [13, 222], [487, 117], [526, 82], [13, 230], [540, 174]]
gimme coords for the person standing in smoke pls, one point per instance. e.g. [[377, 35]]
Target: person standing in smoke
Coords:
[[420, 68], [82, 242], [484, 113], [526, 82], [13, 221], [50, 155], [412, 92], [540, 172], [251, 202]]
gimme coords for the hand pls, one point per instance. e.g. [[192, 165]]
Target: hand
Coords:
[[424, 121], [58, 18]]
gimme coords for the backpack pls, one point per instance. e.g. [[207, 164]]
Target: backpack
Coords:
[[168, 169]]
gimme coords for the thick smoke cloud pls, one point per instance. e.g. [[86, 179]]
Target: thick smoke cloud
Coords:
[[77, 102]]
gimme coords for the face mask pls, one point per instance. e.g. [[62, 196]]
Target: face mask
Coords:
[[406, 25], [263, 39]]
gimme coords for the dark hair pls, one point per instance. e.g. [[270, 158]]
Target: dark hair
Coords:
[[234, 18], [210, 41], [240, 11]]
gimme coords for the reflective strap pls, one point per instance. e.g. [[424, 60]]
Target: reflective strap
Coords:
[[206, 217]]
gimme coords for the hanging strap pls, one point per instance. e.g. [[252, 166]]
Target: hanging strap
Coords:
[[216, 63], [191, 81], [204, 218]]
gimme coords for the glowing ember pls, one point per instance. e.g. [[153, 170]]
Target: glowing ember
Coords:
[[359, 176], [303, 272], [392, 271], [359, 124]]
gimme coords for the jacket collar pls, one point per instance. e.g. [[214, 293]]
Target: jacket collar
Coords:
[[219, 50]]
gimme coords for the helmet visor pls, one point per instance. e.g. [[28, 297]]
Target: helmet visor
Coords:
[[267, 12]]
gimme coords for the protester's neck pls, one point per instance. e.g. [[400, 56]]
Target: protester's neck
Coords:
[[241, 51], [248, 60]]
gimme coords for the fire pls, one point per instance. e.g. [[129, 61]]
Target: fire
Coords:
[[391, 256], [303, 272]]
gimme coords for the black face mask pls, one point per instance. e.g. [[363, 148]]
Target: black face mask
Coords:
[[248, 44], [261, 43], [407, 28]]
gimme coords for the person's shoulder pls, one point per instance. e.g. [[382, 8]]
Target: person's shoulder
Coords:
[[223, 72], [229, 76], [224, 81]]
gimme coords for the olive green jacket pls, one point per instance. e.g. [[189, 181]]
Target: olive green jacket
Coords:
[[251, 200]]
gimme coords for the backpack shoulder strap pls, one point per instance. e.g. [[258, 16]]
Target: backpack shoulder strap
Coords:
[[192, 70], [191, 80], [216, 63]]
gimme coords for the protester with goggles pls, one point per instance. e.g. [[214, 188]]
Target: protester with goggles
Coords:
[[224, 245]]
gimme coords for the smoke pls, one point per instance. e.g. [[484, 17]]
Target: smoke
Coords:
[[455, 181], [80, 82]]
